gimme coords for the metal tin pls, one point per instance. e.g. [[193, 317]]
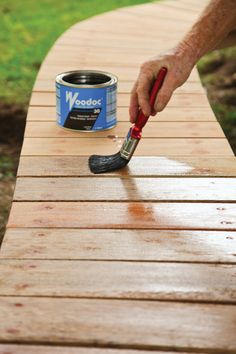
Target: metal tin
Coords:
[[86, 100]]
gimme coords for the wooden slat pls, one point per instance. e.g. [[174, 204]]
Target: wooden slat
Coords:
[[126, 87], [185, 100], [123, 73], [149, 146], [137, 167], [190, 216], [125, 189], [122, 21], [161, 11], [43, 349], [152, 130], [125, 280], [119, 323], [133, 245], [169, 114]]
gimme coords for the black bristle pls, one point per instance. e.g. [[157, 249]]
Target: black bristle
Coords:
[[103, 164]]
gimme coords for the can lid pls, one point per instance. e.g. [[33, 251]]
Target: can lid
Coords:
[[86, 79]]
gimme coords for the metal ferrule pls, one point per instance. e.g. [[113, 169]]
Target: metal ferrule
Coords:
[[128, 147]]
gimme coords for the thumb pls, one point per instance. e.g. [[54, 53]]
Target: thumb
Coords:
[[164, 95]]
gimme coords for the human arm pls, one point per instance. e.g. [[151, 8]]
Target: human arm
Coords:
[[215, 23]]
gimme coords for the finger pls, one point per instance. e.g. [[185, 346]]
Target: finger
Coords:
[[144, 84], [164, 94], [134, 106], [154, 112]]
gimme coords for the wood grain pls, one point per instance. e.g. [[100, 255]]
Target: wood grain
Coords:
[[133, 245], [114, 215], [148, 166], [152, 130], [125, 280], [43, 349], [123, 73], [108, 146], [119, 323], [126, 86], [125, 189], [123, 99], [169, 114]]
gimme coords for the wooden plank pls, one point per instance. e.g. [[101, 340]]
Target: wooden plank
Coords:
[[114, 215], [119, 323], [119, 280], [123, 99], [133, 245], [126, 86], [160, 11], [43, 349], [137, 167], [170, 114], [108, 146], [123, 73], [187, 7], [125, 189], [154, 128], [122, 21], [128, 20]]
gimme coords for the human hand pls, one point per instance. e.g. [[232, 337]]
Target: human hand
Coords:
[[179, 64]]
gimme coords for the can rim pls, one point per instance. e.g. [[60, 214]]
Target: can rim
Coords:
[[113, 79]]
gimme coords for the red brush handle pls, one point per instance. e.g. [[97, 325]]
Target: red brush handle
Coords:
[[142, 119]]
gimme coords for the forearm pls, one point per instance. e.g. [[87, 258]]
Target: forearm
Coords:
[[215, 23]]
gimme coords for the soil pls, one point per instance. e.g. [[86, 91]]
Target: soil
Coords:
[[12, 125], [221, 90]]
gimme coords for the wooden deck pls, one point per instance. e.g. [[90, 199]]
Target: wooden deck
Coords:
[[138, 260]]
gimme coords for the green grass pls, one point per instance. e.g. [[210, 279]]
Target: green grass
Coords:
[[29, 28]]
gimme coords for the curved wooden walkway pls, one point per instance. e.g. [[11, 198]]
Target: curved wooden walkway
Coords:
[[133, 261]]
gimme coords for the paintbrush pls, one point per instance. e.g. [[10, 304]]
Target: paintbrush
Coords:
[[102, 164]]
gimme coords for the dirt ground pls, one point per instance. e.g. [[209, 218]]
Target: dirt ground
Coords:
[[219, 78], [12, 125]]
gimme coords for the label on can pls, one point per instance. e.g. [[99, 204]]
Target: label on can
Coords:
[[86, 109]]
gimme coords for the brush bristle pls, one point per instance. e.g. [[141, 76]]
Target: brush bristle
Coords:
[[103, 164]]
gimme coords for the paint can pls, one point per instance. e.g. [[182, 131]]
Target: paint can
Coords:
[[86, 100]]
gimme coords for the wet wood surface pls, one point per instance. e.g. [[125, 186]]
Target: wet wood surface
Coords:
[[124, 189], [126, 280], [118, 215], [126, 324], [128, 245], [139, 260], [149, 166]]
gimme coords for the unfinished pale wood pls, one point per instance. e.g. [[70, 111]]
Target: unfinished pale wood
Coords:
[[133, 245], [43, 349], [125, 189], [126, 86], [137, 167], [123, 73], [184, 6], [169, 114], [153, 11], [147, 147], [119, 323], [125, 280], [123, 99], [154, 129], [114, 215], [127, 20]]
